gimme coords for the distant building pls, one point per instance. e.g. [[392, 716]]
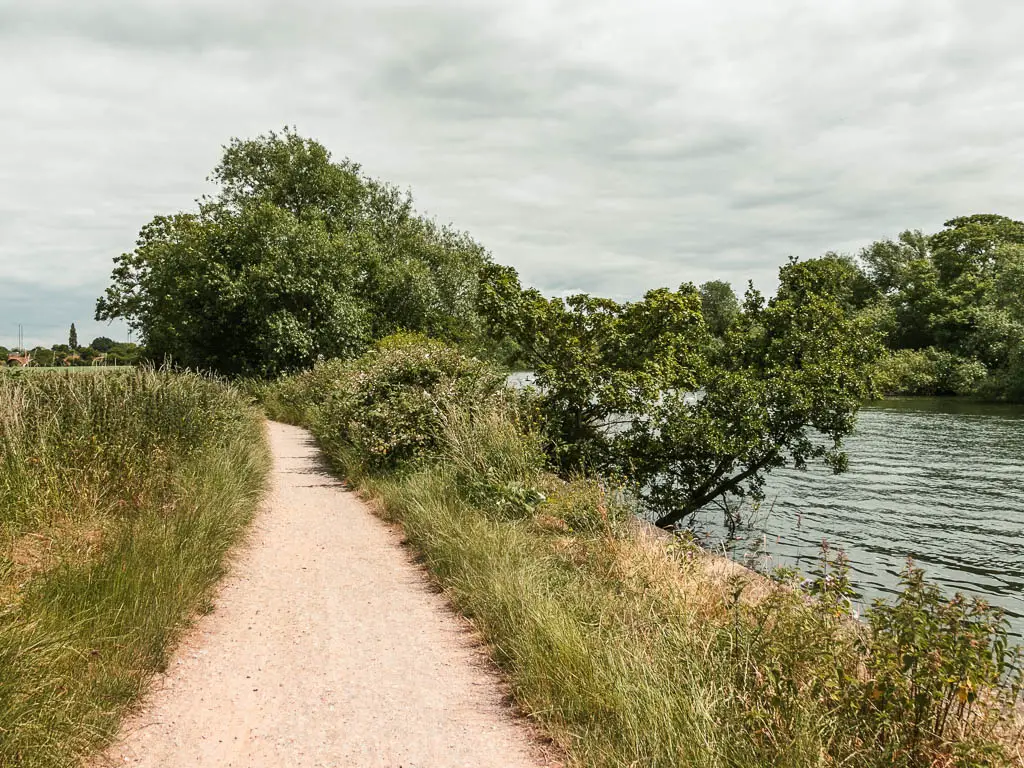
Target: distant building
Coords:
[[21, 360]]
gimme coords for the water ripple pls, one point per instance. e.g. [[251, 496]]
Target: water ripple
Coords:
[[941, 481]]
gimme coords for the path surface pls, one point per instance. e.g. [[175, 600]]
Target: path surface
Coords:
[[326, 648]]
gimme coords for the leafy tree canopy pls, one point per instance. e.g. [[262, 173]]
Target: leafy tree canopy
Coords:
[[967, 247], [42, 356], [596, 359], [785, 391], [296, 257], [630, 388], [102, 344], [955, 296]]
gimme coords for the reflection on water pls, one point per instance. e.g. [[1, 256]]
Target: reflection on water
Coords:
[[937, 479]]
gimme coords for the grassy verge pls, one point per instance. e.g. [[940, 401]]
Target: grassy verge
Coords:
[[120, 499], [631, 649]]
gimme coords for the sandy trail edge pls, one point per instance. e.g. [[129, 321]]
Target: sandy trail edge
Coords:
[[326, 648]]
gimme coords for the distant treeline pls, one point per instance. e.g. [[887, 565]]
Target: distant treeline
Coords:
[[102, 350], [949, 307]]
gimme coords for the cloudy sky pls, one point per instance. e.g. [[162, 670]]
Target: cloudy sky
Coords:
[[596, 145]]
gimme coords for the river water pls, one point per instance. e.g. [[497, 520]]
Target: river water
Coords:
[[937, 479]]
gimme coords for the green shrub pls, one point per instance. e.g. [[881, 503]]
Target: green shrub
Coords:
[[905, 372], [298, 398], [930, 662], [1006, 384], [389, 405], [957, 375]]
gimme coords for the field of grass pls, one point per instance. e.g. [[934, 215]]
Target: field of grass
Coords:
[[120, 500], [630, 649]]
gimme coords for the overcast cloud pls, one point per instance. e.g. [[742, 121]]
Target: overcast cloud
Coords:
[[597, 146]]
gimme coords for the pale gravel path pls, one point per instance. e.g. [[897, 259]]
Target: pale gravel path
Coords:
[[326, 648]]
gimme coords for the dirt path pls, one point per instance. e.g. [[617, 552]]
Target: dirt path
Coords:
[[326, 648]]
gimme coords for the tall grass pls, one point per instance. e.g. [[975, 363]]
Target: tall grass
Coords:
[[120, 497], [635, 650], [627, 651]]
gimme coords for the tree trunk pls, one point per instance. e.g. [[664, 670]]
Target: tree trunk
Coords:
[[694, 503]]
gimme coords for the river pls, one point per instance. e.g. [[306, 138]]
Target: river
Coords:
[[941, 480]]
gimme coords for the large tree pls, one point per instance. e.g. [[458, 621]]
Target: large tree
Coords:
[[102, 344], [955, 297], [966, 249], [42, 356], [296, 257], [598, 363], [630, 389], [969, 256], [785, 391], [256, 292], [889, 262]]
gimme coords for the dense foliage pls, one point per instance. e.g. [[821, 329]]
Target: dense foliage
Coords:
[[951, 306], [388, 406], [637, 389], [598, 362], [296, 257], [632, 649]]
